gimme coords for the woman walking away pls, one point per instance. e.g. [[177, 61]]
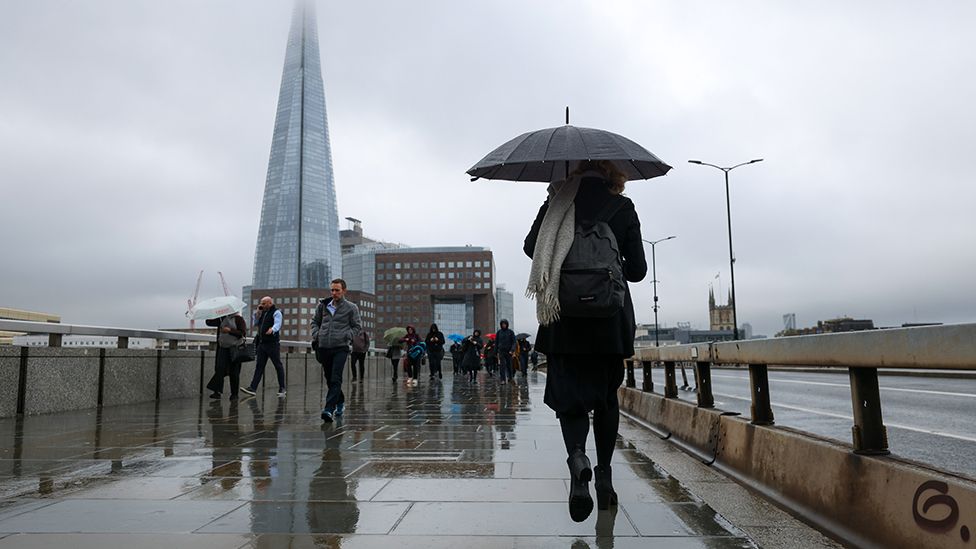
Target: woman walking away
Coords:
[[585, 355], [230, 334], [435, 350], [393, 353], [409, 341], [471, 353]]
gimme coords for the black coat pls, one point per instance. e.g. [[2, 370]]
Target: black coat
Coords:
[[505, 340], [610, 336], [471, 351], [435, 341]]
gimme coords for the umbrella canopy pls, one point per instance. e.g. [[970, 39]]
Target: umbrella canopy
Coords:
[[393, 335], [456, 338], [492, 337], [216, 307], [542, 155], [523, 335]]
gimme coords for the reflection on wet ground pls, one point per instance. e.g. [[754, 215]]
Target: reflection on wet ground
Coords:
[[434, 466]]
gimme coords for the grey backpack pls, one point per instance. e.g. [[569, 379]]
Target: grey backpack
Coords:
[[591, 280]]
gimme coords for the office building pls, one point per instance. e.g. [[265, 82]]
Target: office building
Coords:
[[452, 286], [504, 305], [298, 236]]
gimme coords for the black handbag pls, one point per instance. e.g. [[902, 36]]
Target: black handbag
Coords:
[[242, 353]]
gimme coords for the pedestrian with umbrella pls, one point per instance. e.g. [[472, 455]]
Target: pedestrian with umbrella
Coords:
[[491, 355], [585, 339], [392, 338], [456, 351], [223, 313]]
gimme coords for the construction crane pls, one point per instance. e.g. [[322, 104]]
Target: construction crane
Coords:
[[223, 283], [193, 301]]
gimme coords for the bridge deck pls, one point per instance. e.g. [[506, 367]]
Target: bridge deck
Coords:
[[438, 465]]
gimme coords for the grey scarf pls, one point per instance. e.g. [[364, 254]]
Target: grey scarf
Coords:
[[552, 245]]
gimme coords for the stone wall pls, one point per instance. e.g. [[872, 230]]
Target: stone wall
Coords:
[[10, 374], [65, 379]]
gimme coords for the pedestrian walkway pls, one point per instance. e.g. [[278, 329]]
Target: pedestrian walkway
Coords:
[[443, 464]]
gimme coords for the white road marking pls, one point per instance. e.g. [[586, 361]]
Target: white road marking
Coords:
[[851, 418]]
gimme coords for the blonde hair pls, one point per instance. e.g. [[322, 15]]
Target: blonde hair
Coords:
[[616, 179]]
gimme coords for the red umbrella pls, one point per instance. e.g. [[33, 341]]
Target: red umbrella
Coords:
[[491, 337]]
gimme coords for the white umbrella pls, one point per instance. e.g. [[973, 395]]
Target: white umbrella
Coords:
[[216, 307]]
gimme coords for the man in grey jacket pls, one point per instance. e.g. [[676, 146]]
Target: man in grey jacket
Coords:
[[335, 323]]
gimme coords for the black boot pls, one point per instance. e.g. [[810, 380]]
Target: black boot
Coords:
[[580, 502], [605, 496]]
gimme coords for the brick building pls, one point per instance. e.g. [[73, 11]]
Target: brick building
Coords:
[[452, 286]]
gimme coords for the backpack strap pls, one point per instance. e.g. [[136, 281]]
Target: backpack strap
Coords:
[[608, 211]]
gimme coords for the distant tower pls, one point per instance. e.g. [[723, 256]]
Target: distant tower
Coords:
[[298, 236], [504, 305], [719, 316]]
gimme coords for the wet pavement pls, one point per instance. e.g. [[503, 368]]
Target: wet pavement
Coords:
[[442, 464]]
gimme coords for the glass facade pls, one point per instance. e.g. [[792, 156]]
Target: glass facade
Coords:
[[298, 236], [454, 316]]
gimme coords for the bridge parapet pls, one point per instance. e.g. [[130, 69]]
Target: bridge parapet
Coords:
[[58, 378], [862, 353], [864, 495], [57, 331]]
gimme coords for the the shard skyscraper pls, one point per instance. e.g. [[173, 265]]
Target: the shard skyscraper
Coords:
[[298, 237]]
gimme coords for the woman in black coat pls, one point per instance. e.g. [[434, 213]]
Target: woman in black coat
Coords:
[[471, 353], [231, 330], [586, 355], [435, 350]]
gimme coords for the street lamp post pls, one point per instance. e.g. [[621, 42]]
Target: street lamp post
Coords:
[[654, 280], [728, 211]]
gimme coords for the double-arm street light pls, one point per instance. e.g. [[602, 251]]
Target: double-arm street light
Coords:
[[654, 280], [728, 211]]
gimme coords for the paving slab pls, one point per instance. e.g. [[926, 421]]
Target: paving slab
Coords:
[[443, 464]]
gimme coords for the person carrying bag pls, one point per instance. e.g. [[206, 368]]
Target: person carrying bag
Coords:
[[230, 337]]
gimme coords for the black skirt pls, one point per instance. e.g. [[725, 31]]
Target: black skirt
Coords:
[[578, 384]]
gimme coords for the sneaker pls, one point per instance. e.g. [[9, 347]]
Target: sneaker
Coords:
[[215, 395], [327, 416], [340, 409], [247, 390], [282, 393]]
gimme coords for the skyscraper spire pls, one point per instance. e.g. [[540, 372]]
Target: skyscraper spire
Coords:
[[298, 236]]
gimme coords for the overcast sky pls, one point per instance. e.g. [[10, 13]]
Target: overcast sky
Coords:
[[134, 140]]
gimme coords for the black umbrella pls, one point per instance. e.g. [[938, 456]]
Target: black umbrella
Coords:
[[543, 155], [523, 335]]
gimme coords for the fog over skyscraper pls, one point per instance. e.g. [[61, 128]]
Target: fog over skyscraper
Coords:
[[298, 235]]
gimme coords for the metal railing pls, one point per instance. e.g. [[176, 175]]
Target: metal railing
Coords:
[[57, 331], [951, 347]]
